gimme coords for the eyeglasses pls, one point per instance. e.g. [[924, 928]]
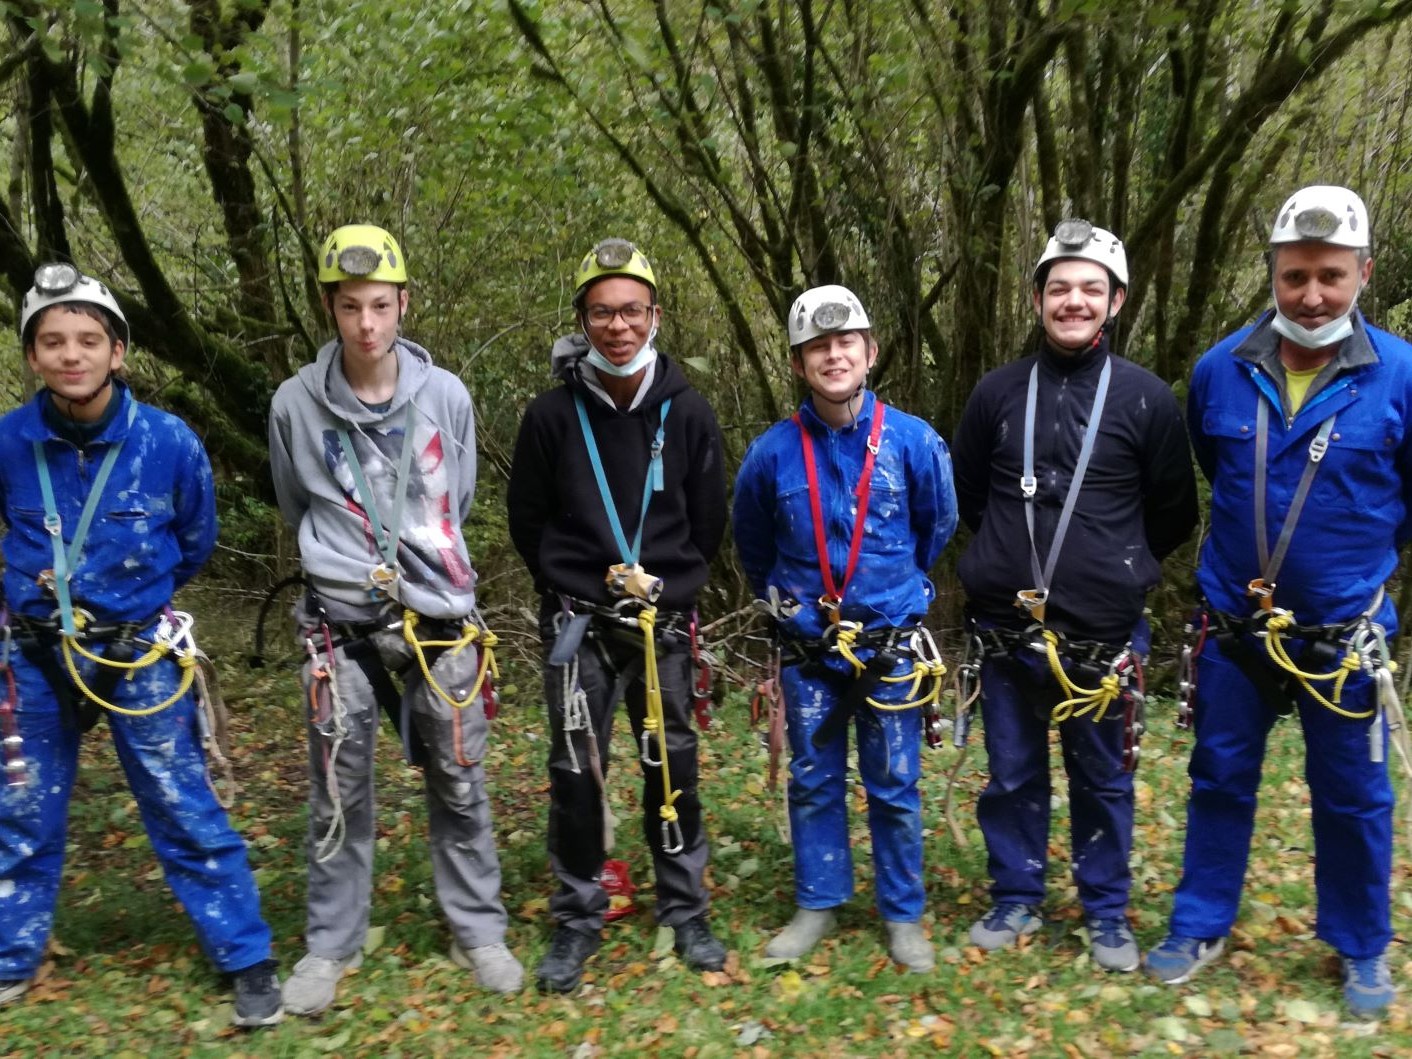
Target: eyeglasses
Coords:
[[633, 313]]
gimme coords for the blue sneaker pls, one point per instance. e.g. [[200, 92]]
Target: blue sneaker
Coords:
[[1178, 958], [1367, 985], [1112, 944], [1004, 925]]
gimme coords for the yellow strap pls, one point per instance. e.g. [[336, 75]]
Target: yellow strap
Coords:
[[470, 633], [188, 662], [1081, 701], [654, 721], [1351, 662]]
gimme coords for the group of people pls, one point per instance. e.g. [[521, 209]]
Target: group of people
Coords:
[[1071, 467]]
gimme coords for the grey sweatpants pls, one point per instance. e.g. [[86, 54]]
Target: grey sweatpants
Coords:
[[464, 862]]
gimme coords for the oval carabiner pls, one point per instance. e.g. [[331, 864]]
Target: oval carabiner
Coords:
[[672, 840], [647, 758]]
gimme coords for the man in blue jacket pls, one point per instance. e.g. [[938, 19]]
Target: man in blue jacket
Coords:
[[839, 514], [1300, 423], [1073, 472], [109, 508]]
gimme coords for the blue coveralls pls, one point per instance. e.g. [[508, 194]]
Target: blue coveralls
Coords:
[[912, 513], [1343, 550], [155, 527]]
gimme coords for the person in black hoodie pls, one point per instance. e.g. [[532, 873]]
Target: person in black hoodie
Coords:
[[1074, 475], [617, 504]]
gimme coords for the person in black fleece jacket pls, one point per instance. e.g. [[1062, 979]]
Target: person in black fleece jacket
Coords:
[[1089, 575], [627, 420]]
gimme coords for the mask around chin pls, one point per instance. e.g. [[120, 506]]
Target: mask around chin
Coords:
[[645, 356], [1336, 330]]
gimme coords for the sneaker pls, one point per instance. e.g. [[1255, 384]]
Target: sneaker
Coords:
[[494, 966], [1178, 958], [257, 999], [907, 944], [1005, 924], [1367, 985], [808, 927], [1112, 944], [11, 989], [698, 947], [562, 966], [311, 987]]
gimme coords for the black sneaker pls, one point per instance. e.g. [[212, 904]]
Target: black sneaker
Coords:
[[562, 967], [257, 1000], [698, 947]]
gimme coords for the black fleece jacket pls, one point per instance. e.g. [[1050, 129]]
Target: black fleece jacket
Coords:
[[1136, 505], [557, 518]]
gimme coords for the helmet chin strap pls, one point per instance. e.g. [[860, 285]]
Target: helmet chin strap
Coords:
[[79, 402]]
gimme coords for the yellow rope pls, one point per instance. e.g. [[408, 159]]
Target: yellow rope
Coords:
[[470, 633], [1351, 662], [187, 661], [654, 722], [1081, 701], [922, 669]]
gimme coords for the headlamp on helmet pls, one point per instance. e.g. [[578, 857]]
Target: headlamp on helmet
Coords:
[[1080, 240], [361, 251], [825, 310], [612, 257], [1323, 213], [57, 283]]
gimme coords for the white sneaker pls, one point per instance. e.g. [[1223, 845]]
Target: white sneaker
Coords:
[[494, 966], [311, 987], [12, 990]]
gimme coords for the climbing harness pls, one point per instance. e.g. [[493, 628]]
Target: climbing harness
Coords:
[[832, 600], [1032, 601]]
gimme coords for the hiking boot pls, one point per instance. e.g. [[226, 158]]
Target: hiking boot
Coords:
[[1367, 986], [257, 999], [11, 989], [808, 927], [311, 987], [1005, 924], [562, 966], [698, 947], [494, 966], [907, 944], [1112, 944], [1178, 958]]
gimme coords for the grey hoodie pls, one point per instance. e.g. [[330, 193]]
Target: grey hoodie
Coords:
[[318, 497]]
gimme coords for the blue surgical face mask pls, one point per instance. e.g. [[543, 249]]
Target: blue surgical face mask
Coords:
[[644, 356]]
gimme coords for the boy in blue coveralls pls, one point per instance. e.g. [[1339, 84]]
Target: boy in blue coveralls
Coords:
[[127, 494], [839, 514]]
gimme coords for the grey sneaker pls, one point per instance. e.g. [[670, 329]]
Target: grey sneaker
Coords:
[[1112, 944], [11, 990], [907, 944], [1367, 986], [494, 966], [1178, 957], [257, 999], [808, 927], [311, 987], [1004, 925]]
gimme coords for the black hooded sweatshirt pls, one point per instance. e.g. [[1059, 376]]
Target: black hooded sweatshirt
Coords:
[[557, 518], [1136, 505]]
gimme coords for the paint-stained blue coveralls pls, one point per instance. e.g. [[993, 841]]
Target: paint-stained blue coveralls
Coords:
[[911, 516], [155, 526], [1343, 550]]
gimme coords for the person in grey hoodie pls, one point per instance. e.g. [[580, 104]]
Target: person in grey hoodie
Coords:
[[373, 453]]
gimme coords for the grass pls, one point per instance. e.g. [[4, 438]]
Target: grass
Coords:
[[125, 977]]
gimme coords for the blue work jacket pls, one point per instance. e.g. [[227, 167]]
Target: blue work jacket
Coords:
[[911, 516], [154, 526], [1346, 541]]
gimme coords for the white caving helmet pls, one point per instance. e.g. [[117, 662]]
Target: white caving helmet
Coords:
[[1078, 239], [58, 283], [1323, 213], [824, 311]]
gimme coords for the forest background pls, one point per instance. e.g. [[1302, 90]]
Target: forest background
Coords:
[[192, 154]]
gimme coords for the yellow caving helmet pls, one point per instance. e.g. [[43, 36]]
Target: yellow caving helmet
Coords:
[[361, 251], [613, 257]]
